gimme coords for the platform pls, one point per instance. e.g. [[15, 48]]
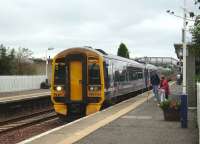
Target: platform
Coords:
[[137, 120], [145, 125], [21, 95]]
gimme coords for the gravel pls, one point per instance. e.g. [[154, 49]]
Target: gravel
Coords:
[[27, 132]]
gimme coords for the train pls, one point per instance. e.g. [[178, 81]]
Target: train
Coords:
[[84, 79]]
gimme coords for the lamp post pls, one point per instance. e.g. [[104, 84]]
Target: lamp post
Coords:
[[184, 48], [184, 91], [48, 49], [184, 100]]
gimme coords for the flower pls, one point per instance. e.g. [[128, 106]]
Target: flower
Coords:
[[172, 104]]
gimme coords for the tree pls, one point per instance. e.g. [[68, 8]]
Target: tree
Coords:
[[196, 39], [195, 48], [123, 51], [12, 61], [3, 58], [16, 62], [24, 65], [7, 61]]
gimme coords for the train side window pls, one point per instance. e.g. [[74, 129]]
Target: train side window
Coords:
[[94, 74], [123, 76], [140, 75], [132, 75], [117, 76], [116, 71], [135, 77]]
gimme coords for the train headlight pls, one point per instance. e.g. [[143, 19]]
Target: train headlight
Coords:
[[58, 88], [96, 88], [91, 88]]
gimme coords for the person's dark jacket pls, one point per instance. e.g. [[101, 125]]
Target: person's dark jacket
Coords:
[[155, 80]]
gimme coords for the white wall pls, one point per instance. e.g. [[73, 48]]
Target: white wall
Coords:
[[18, 83]]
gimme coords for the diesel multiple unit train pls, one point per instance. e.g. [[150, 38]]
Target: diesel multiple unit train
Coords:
[[84, 79]]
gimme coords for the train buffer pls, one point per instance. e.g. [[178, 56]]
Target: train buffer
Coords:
[[134, 121], [6, 97]]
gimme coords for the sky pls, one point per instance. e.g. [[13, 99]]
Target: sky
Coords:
[[142, 25]]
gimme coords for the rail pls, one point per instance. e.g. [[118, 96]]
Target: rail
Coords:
[[27, 120], [17, 108]]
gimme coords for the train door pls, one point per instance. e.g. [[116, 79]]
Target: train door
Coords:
[[108, 80], [76, 80], [76, 87]]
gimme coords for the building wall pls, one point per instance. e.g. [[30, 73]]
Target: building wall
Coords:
[[41, 68], [191, 84]]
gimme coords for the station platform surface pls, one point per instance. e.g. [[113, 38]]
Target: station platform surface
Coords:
[[136, 121], [26, 94], [145, 125]]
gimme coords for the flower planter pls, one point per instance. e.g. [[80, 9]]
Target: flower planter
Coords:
[[171, 114]]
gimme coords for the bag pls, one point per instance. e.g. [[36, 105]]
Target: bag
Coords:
[[162, 95]]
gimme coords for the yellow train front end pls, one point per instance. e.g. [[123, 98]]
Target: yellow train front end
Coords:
[[77, 87]]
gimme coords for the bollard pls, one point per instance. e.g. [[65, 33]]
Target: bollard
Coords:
[[184, 111]]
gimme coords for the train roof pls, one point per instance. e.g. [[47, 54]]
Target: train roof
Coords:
[[152, 67], [103, 54], [125, 60], [64, 52]]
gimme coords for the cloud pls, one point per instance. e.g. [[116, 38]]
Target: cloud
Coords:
[[142, 25]]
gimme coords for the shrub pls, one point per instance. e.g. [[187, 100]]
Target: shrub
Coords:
[[170, 104]]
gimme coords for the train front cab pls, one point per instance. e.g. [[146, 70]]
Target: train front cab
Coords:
[[78, 82]]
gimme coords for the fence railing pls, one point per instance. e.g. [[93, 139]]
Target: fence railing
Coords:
[[18, 83]]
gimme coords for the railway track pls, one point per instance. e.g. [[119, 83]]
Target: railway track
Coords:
[[26, 121], [38, 117]]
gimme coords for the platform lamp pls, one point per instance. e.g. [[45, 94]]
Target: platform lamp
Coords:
[[48, 49], [183, 111], [180, 57]]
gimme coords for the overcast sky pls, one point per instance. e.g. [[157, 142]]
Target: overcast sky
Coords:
[[143, 25]]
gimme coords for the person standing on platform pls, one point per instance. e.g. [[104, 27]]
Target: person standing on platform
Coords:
[[155, 82], [164, 86]]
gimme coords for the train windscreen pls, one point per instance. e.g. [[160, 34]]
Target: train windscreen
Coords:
[[94, 74], [60, 71]]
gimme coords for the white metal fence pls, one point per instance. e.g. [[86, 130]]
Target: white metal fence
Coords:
[[18, 83], [198, 106]]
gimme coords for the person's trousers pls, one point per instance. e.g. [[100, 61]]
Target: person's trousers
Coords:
[[155, 91]]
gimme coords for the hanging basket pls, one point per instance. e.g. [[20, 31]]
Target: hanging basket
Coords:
[[171, 114]]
